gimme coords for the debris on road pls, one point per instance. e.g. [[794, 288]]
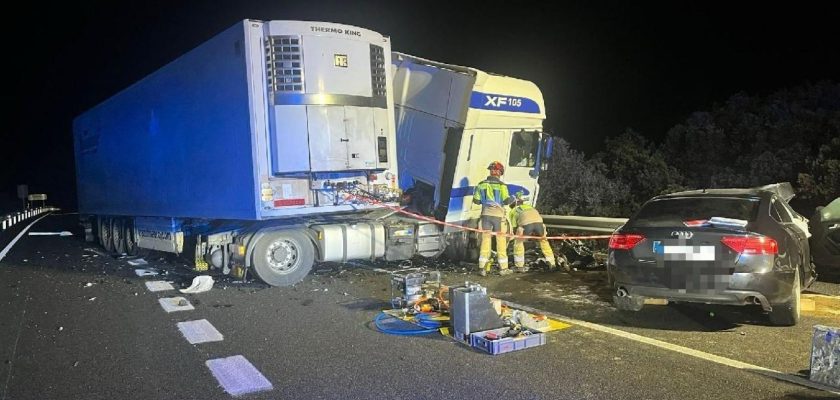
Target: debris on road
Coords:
[[92, 298], [200, 284], [146, 272], [137, 262], [89, 284], [825, 350]]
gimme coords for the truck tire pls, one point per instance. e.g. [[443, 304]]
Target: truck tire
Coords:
[[105, 231], [787, 313], [130, 238], [98, 226], [118, 235], [283, 258]]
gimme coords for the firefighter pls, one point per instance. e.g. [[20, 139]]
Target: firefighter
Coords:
[[493, 196], [527, 221]]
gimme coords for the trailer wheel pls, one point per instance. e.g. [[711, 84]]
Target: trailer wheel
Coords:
[[118, 234], [283, 258], [130, 238], [98, 228], [106, 239]]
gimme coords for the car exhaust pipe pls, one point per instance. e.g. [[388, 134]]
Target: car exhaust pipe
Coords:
[[621, 292], [754, 300]]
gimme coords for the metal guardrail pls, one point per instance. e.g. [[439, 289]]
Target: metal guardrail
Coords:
[[9, 220], [583, 224]]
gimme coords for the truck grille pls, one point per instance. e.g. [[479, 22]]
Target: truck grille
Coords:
[[284, 63], [377, 71]]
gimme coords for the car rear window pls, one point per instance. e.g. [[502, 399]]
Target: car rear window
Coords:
[[674, 211]]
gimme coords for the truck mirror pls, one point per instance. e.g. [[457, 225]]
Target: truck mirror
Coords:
[[549, 147]]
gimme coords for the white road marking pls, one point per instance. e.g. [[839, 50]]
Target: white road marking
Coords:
[[683, 350], [200, 331], [23, 232], [173, 304]]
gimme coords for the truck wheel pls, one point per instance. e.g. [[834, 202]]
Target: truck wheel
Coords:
[[787, 313], [100, 226], [130, 238], [118, 234], [283, 258], [106, 239]]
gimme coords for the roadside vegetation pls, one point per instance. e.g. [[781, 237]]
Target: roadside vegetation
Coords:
[[792, 135]]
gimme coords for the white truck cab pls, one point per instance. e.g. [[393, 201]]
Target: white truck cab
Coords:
[[451, 123]]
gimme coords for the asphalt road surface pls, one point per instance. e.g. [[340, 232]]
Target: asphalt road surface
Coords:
[[77, 323]]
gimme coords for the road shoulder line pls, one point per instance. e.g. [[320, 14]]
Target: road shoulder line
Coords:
[[683, 350], [23, 232]]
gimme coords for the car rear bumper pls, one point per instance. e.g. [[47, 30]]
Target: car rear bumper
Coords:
[[741, 288], [730, 297]]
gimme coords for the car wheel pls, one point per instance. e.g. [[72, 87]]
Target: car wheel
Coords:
[[787, 313], [283, 258]]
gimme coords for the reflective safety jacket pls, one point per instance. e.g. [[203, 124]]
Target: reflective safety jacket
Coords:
[[524, 214], [493, 195]]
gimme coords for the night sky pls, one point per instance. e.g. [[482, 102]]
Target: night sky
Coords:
[[601, 68]]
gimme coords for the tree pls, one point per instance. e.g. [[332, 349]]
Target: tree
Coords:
[[634, 162], [573, 185]]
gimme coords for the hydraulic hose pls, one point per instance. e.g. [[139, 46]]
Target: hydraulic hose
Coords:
[[402, 332]]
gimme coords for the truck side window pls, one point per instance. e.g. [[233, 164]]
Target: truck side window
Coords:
[[523, 149]]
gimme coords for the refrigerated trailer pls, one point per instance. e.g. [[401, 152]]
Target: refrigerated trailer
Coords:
[[272, 146]]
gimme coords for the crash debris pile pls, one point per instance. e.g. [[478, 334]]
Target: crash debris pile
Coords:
[[825, 356], [422, 305]]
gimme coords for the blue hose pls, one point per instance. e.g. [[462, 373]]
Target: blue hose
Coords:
[[402, 332], [427, 321]]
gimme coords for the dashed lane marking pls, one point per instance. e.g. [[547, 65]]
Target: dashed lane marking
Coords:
[[200, 331], [238, 376], [172, 304], [683, 350]]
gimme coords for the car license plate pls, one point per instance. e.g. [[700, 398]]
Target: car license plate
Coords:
[[684, 253]]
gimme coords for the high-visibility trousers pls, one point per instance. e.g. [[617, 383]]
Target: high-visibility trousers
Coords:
[[494, 224], [519, 245]]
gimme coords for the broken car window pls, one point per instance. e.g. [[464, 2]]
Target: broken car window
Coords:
[[674, 211]]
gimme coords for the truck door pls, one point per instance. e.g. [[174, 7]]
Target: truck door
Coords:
[[479, 147], [520, 161]]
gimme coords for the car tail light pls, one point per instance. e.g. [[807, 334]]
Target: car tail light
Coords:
[[625, 241], [751, 244]]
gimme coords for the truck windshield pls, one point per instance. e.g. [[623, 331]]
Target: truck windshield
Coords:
[[675, 211], [523, 148]]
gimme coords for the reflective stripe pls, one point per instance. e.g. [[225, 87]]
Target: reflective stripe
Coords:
[[482, 260], [503, 260], [518, 258]]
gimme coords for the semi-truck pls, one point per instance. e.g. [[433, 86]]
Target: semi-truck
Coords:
[[274, 145]]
